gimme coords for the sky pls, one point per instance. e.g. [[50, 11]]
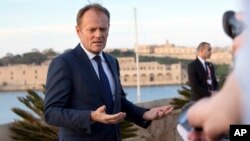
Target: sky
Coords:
[[43, 24]]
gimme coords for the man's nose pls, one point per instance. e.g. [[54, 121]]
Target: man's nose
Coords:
[[98, 33]]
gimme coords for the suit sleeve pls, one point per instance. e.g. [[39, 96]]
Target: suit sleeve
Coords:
[[194, 83], [58, 89], [134, 112]]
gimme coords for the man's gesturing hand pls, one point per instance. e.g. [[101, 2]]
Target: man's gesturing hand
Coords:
[[101, 116], [157, 113]]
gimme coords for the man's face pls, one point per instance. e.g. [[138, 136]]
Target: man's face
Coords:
[[206, 52], [93, 30]]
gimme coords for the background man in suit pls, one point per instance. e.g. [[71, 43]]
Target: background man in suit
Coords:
[[201, 73], [84, 96]]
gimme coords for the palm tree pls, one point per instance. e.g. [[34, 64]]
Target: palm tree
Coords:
[[185, 93], [32, 126], [127, 129]]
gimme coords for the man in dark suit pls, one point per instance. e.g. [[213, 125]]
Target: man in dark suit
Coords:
[[201, 73], [84, 96]]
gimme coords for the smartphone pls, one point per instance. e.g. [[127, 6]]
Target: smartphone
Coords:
[[183, 127]]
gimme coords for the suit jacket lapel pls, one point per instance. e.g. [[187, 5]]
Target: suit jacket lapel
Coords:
[[200, 65], [201, 69], [88, 69]]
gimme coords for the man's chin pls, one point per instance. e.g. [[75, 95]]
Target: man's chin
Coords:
[[97, 49]]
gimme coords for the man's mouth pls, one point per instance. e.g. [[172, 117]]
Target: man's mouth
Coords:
[[98, 42]]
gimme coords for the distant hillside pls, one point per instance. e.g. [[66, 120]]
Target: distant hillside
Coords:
[[33, 57], [36, 57]]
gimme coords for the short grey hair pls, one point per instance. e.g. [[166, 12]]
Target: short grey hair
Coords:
[[94, 6]]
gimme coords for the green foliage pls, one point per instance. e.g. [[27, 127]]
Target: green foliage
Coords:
[[33, 57], [32, 126], [222, 70], [50, 53], [127, 129], [185, 94], [119, 53]]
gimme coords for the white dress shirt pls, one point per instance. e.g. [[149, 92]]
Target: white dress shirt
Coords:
[[105, 67]]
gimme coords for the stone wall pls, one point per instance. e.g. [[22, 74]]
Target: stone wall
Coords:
[[5, 133], [160, 130]]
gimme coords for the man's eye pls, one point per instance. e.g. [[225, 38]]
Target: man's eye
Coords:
[[92, 30], [103, 29]]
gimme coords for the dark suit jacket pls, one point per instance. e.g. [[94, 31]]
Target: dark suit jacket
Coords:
[[197, 77], [73, 91]]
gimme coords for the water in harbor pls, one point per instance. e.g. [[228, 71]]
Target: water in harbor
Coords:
[[149, 93]]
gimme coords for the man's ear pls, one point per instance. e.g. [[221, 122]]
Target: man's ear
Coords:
[[77, 29]]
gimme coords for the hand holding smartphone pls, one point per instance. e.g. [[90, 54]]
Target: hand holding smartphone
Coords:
[[183, 127]]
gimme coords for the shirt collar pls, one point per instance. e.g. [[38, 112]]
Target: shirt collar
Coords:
[[90, 54], [202, 60]]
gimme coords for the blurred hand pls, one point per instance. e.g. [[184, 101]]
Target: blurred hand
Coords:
[[215, 114], [157, 113], [196, 136], [101, 116]]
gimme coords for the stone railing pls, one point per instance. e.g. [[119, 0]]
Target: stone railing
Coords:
[[160, 130]]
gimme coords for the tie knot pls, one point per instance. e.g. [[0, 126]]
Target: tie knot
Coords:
[[97, 58]]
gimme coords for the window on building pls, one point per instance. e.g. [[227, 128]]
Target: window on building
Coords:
[[168, 76], [126, 78], [151, 77]]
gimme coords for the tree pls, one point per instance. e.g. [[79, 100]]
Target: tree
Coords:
[[185, 93], [32, 126], [127, 129], [50, 53]]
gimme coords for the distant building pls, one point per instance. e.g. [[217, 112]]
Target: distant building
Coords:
[[151, 73], [22, 77], [219, 56]]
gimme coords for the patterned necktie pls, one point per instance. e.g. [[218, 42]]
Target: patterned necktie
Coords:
[[105, 86], [209, 77]]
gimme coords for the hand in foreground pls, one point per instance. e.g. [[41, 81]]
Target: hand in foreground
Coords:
[[196, 136], [215, 123], [101, 116], [157, 113]]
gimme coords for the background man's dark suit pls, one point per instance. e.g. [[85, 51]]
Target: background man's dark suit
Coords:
[[198, 79], [73, 91]]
